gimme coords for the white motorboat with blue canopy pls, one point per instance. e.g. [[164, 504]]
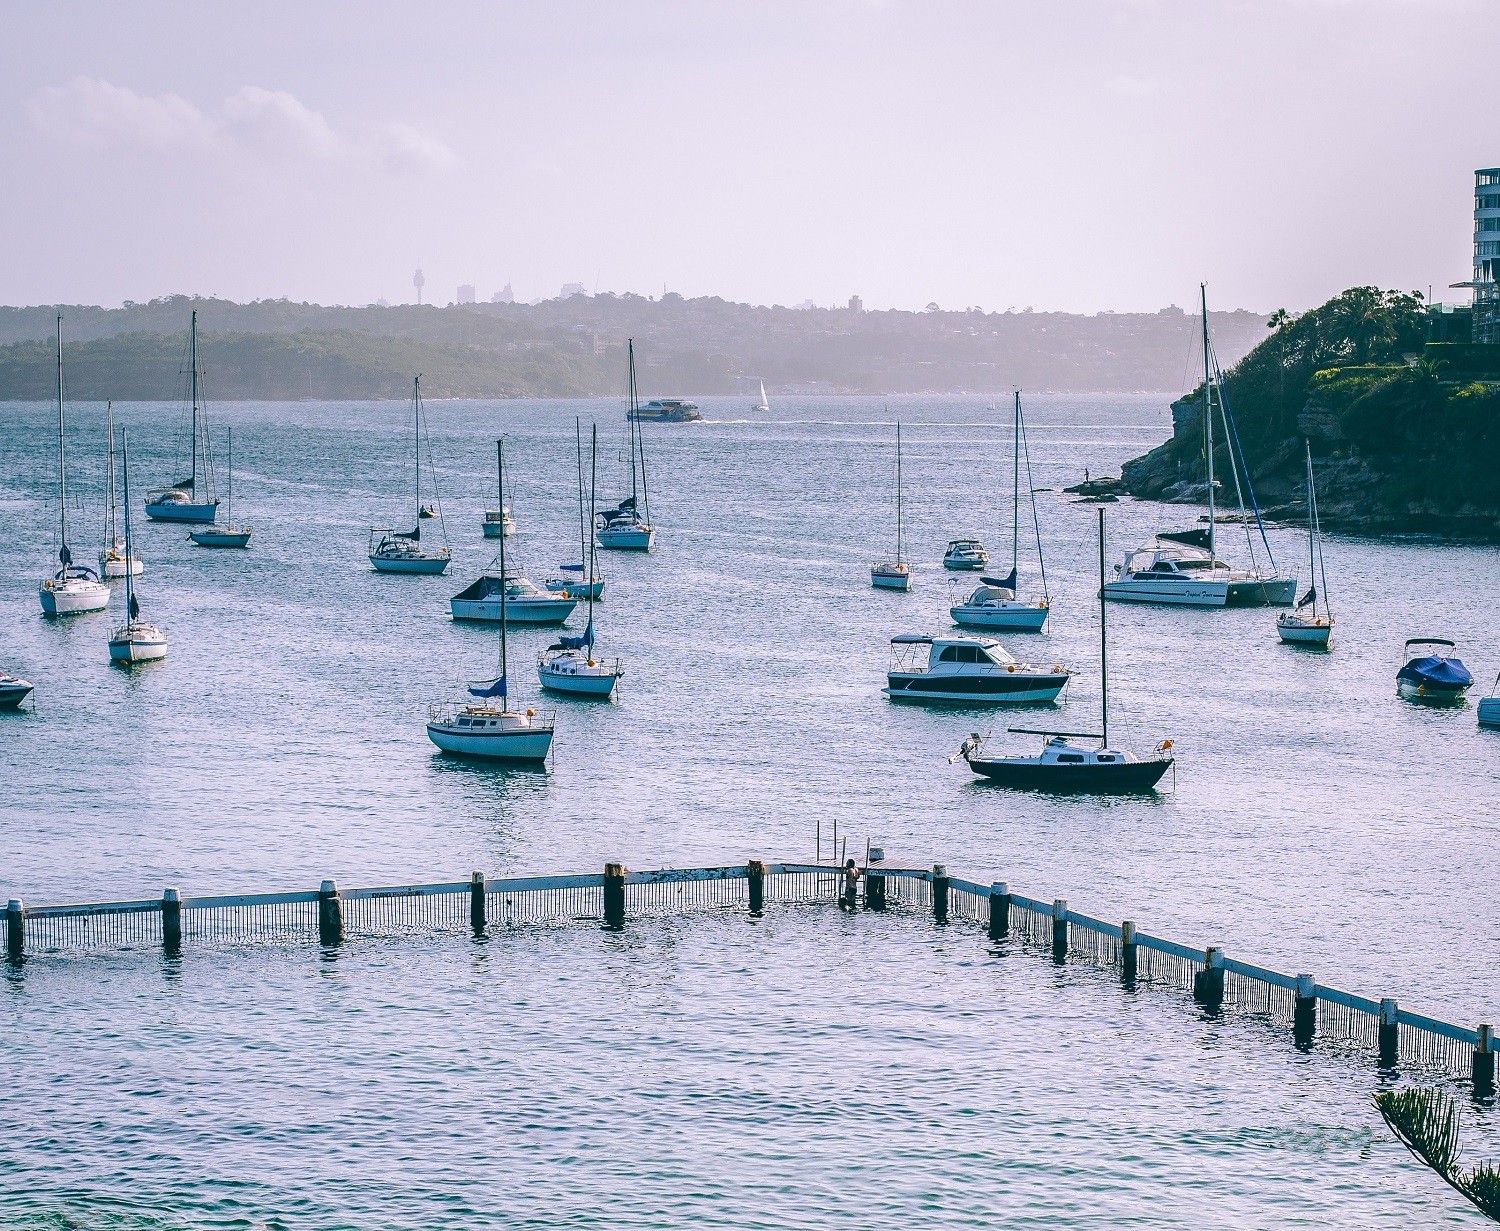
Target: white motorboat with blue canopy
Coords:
[[1067, 767], [402, 551], [996, 605], [137, 640], [74, 588], [966, 670], [191, 500], [627, 526], [1183, 568], [1431, 674], [894, 574], [13, 690], [1305, 624], [113, 560], [486, 728], [569, 665]]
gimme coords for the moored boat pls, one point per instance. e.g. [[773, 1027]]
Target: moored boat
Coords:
[[627, 526], [1430, 675], [894, 574], [191, 500], [227, 535], [1489, 707], [518, 599], [401, 551], [967, 670], [13, 691], [1305, 624], [114, 560], [965, 555], [137, 640]]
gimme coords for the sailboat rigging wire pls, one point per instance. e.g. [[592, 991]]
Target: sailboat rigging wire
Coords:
[[1240, 453], [432, 470], [1036, 520], [1312, 495]]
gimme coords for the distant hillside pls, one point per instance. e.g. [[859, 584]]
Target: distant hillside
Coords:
[[1405, 436], [574, 347]]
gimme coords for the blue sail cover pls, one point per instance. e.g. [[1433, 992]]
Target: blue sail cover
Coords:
[[495, 688], [1008, 582], [1310, 597], [583, 642], [571, 568], [65, 556], [1437, 671], [135, 608]]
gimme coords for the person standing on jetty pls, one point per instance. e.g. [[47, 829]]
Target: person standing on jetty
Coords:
[[850, 900]]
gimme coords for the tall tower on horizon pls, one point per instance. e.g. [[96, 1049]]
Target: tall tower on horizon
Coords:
[[1486, 282], [419, 282]]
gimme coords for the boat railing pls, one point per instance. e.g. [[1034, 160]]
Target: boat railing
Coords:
[[1261, 998]]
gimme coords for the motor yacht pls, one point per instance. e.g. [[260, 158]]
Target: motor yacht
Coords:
[[966, 555], [1430, 675], [498, 523], [13, 691], [966, 670], [523, 600]]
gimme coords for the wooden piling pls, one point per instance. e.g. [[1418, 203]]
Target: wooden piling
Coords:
[[1483, 1065], [999, 910], [940, 893], [755, 875], [476, 903], [330, 915], [1389, 1035], [1305, 1012], [614, 896], [1208, 983], [1129, 953], [171, 922], [15, 930], [1060, 930], [874, 889]]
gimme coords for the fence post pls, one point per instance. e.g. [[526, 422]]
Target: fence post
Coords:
[[1060, 930], [171, 922], [1390, 1047], [476, 902], [614, 895], [1129, 954], [999, 910], [940, 893], [330, 915], [1483, 1067], [874, 890], [1305, 1011], [755, 873], [1208, 983], [15, 930]]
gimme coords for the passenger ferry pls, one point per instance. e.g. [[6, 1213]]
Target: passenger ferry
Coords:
[[665, 410]]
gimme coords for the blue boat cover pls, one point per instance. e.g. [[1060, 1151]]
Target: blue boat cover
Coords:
[[1008, 582], [1435, 669], [583, 642], [496, 688], [571, 568]]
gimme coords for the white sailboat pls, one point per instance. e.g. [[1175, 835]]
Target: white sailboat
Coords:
[[227, 535], [996, 605], [401, 551], [74, 588], [583, 580], [569, 666], [627, 526], [183, 501], [1183, 569], [113, 558], [1304, 625], [762, 404], [894, 574], [487, 728], [135, 641]]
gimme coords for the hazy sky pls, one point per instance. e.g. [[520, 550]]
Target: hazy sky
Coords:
[[1067, 154]]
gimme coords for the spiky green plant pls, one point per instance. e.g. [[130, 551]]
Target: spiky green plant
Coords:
[[1427, 1123]]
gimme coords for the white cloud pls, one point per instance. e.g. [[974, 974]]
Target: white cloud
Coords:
[[271, 126]]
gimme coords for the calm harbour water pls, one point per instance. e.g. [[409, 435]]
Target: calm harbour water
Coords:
[[824, 1070]]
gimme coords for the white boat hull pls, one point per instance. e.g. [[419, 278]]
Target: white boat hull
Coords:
[[73, 597], [137, 643], [583, 680], [633, 538], [516, 744], [1014, 617], [183, 511], [430, 565], [1168, 592], [1489, 712], [581, 590], [886, 577], [537, 612], [1297, 631], [113, 564]]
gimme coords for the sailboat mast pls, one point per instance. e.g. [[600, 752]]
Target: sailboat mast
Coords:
[[634, 425], [62, 464], [504, 665], [416, 414], [229, 516], [899, 536], [129, 546], [1208, 427], [193, 362], [1015, 497], [583, 551], [1103, 642], [114, 529], [591, 559]]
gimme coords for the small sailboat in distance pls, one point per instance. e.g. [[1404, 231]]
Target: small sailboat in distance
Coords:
[[583, 580], [135, 641], [184, 500], [627, 526], [1304, 625], [227, 535], [401, 551], [487, 728], [113, 560], [1064, 766], [74, 588], [762, 404], [894, 574]]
